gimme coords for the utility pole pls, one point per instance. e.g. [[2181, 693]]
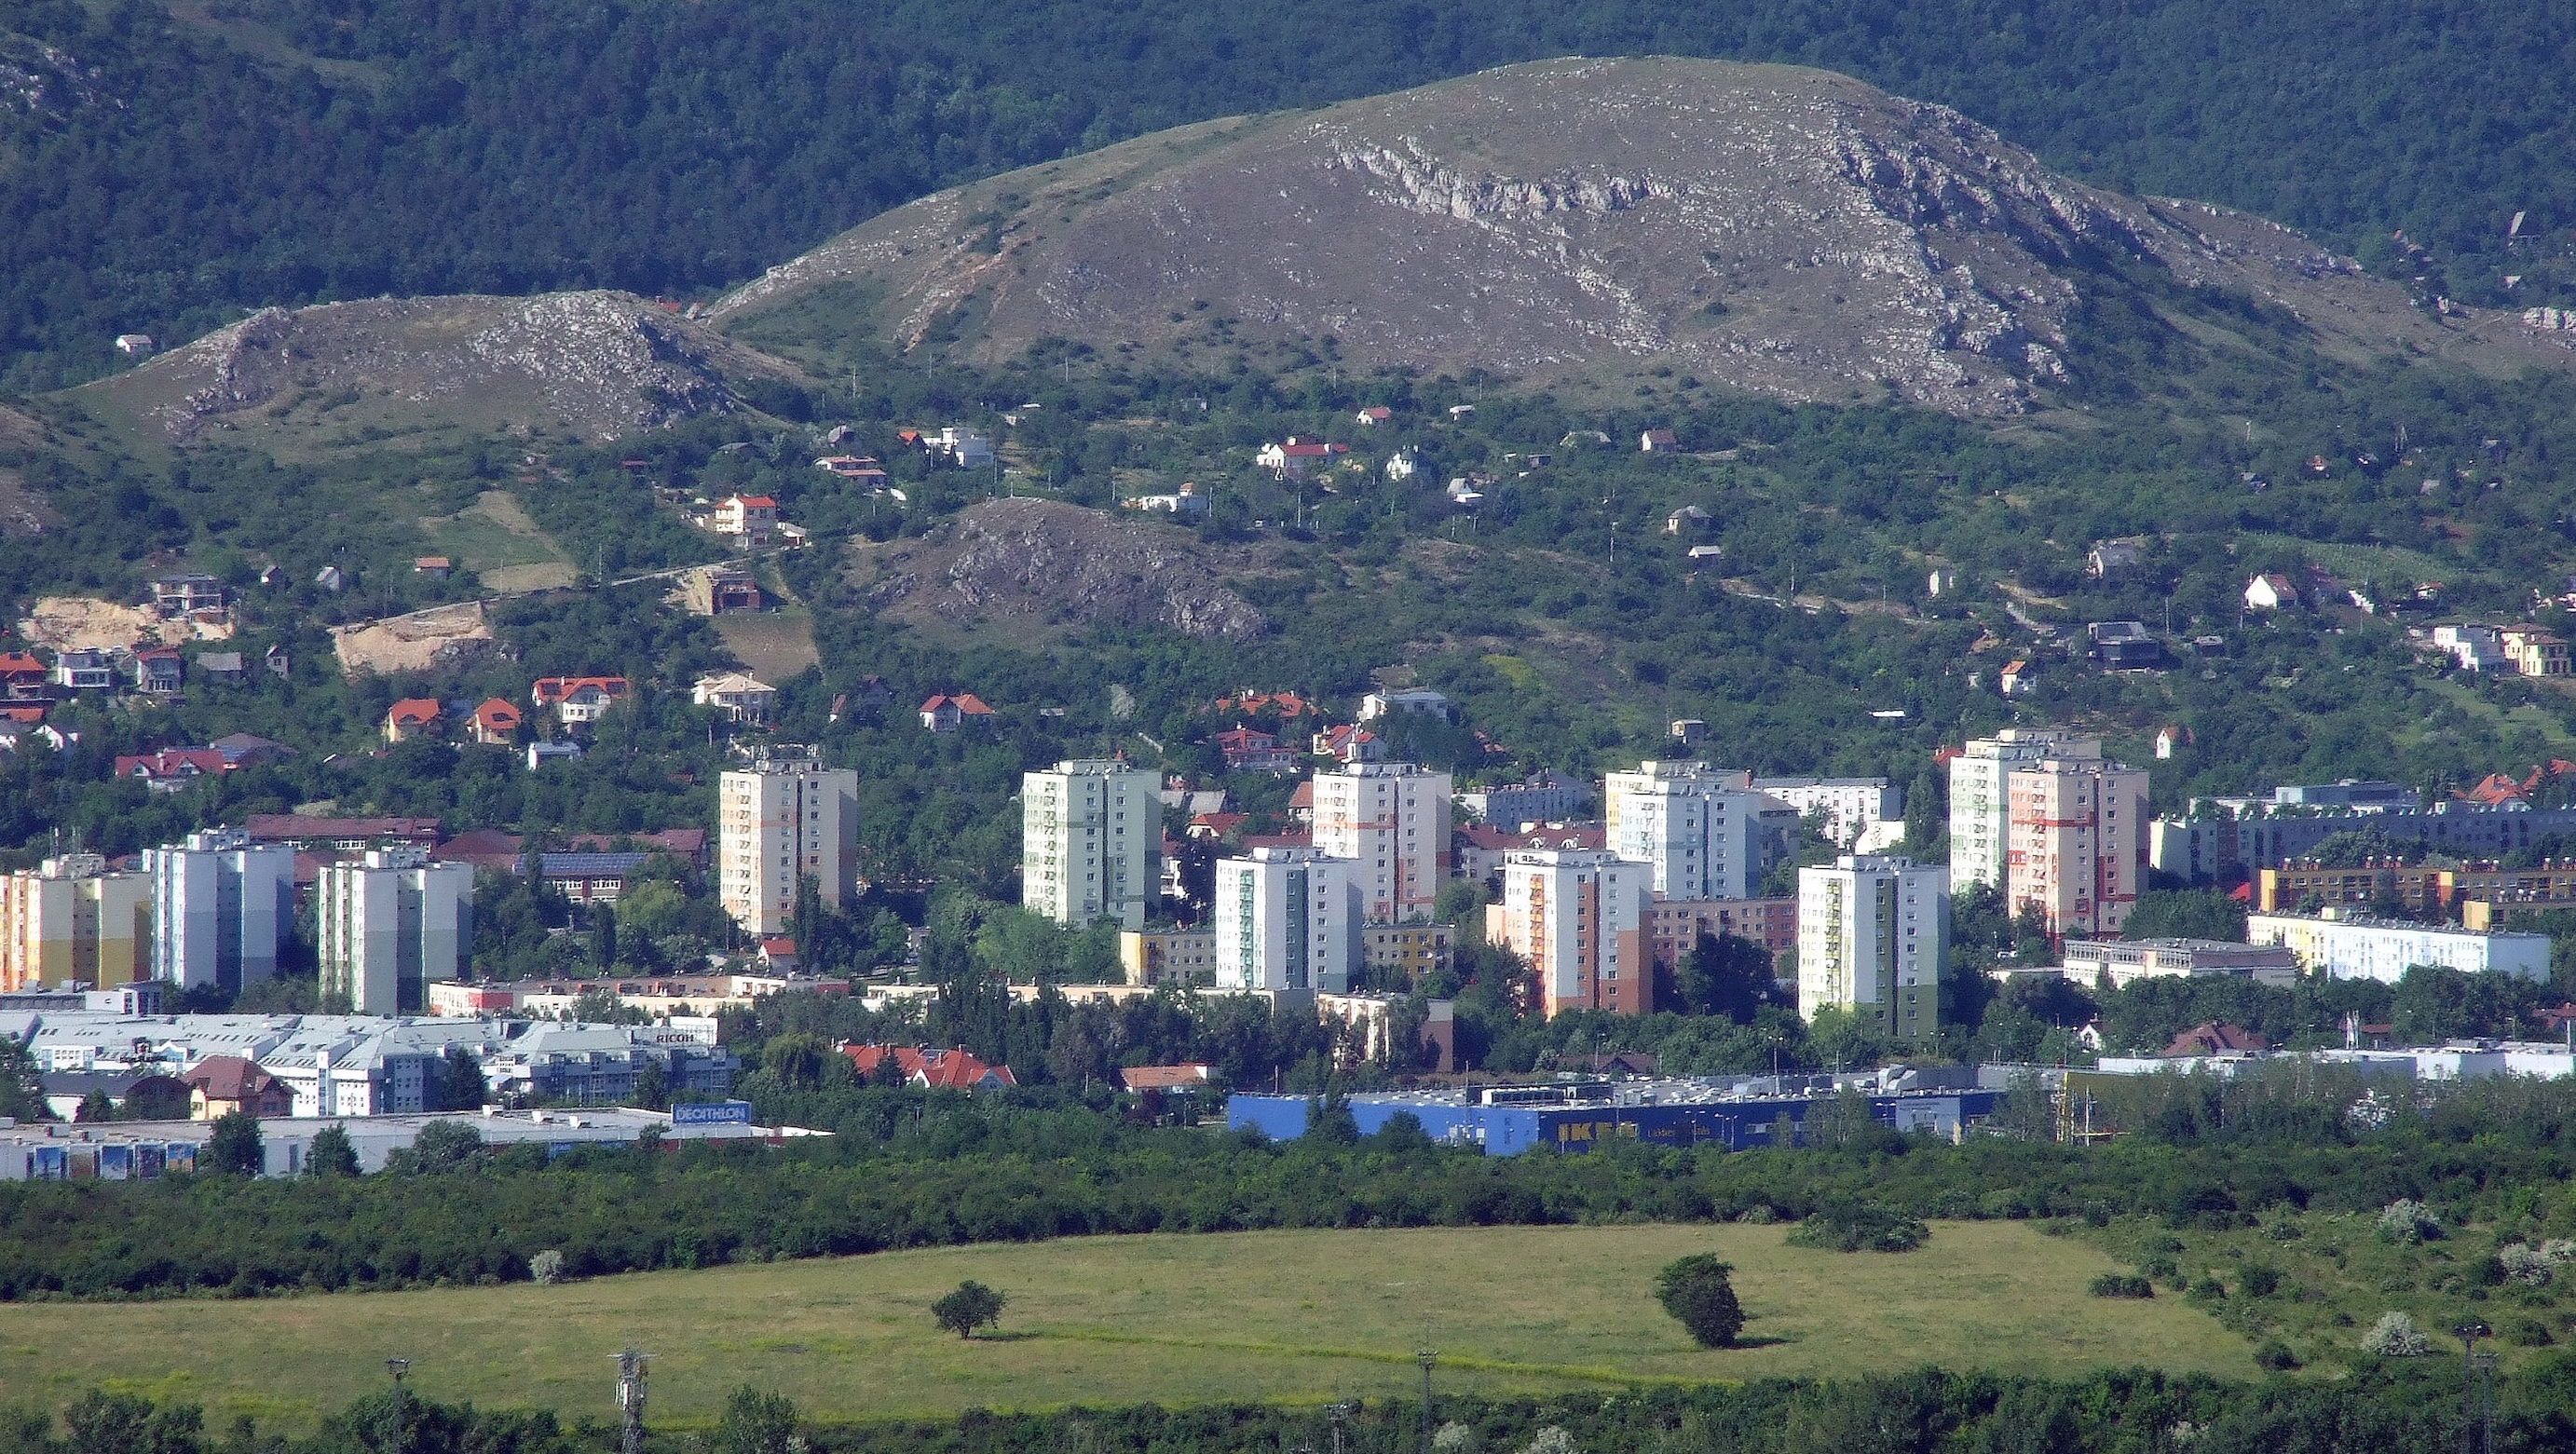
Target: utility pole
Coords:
[[630, 1401], [1426, 1358], [2477, 1392]]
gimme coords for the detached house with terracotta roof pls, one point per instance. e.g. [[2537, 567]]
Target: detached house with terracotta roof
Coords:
[[173, 768], [223, 1084], [2271, 592], [751, 519], [578, 701], [1293, 459], [21, 675], [932, 1069], [947, 712], [497, 723], [414, 717]]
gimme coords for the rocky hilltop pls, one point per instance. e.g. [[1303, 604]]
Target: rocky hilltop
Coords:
[[1783, 230], [593, 365], [1039, 565]]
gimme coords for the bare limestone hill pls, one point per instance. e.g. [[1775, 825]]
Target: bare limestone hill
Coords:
[[1782, 230], [1035, 567], [594, 366]]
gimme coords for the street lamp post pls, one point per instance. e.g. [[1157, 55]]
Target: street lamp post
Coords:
[[1426, 1358]]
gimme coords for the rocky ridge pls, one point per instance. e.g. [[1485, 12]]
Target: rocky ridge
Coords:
[[1040, 563], [1783, 230], [598, 365]]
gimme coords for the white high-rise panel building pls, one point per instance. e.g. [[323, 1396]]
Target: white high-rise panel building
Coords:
[[1873, 933], [1578, 917], [1286, 919], [221, 905], [1391, 820], [71, 921], [390, 925], [2075, 847], [1980, 811], [1091, 833], [1697, 827], [783, 817]]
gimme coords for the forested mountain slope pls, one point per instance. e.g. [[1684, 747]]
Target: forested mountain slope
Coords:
[[162, 174]]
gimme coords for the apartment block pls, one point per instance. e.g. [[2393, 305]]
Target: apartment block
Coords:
[[1391, 820], [1696, 828], [2075, 847], [1873, 935], [783, 817], [1578, 918], [391, 924], [1673, 926], [1090, 832], [71, 921], [1854, 809], [2347, 946], [1979, 812], [1286, 919], [221, 905]]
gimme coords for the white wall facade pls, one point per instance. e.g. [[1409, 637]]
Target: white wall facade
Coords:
[[782, 817], [2075, 845], [391, 925], [221, 905], [1980, 817], [1697, 828], [1286, 919], [1577, 916], [1090, 837], [1873, 934], [1851, 806], [1391, 820], [2341, 948]]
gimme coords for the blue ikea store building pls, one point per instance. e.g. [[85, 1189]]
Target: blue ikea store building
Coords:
[[1507, 1121]]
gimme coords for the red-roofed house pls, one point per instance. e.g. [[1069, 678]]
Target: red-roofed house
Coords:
[[2016, 678], [579, 701], [413, 717], [1246, 749], [1375, 414], [158, 670], [2211, 1038], [1180, 1078], [1291, 461], [1657, 441], [2271, 592], [935, 1069], [173, 768], [1217, 827], [1350, 744], [748, 518], [2494, 791], [21, 675], [222, 1084], [779, 953], [497, 723], [947, 712], [1301, 803]]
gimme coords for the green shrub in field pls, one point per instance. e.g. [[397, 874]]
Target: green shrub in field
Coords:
[[1700, 1294], [2121, 1284], [1850, 1225]]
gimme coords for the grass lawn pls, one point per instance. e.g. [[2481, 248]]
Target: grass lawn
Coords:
[[1174, 1319], [496, 540], [774, 645]]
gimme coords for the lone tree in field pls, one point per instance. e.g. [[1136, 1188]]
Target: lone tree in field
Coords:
[[971, 1306], [1698, 1292]]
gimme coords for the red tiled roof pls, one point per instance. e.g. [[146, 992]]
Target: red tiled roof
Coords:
[[413, 712], [1165, 1077], [549, 690], [172, 762], [230, 1078], [756, 502], [20, 663], [2493, 789], [2212, 1038], [1304, 797], [938, 1069], [497, 715]]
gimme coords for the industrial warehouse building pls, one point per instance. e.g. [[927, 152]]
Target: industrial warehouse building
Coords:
[[1738, 1113]]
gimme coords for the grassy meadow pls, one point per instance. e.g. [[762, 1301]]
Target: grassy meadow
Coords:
[[1292, 1316]]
